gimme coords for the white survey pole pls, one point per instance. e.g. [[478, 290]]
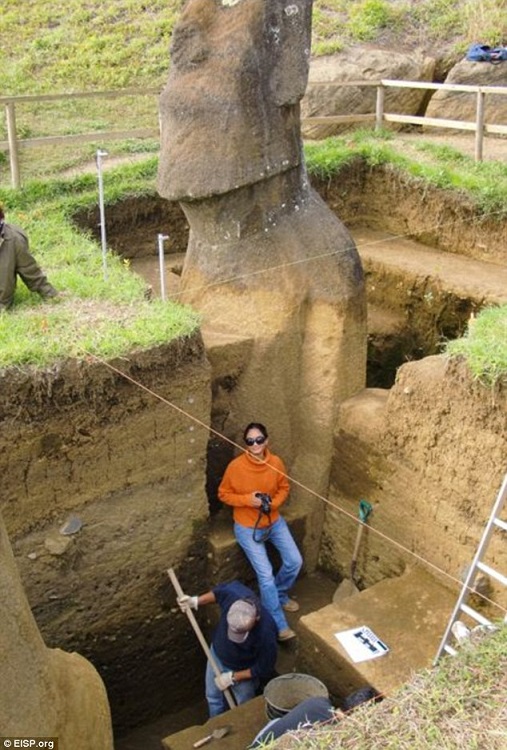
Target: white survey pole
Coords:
[[161, 240], [100, 154]]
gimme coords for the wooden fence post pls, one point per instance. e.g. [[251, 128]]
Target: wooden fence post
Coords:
[[10, 116], [379, 108], [479, 124]]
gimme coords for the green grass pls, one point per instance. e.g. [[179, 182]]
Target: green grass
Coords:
[[484, 346], [426, 714], [485, 183], [368, 17], [103, 313]]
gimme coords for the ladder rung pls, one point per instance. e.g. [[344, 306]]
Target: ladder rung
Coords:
[[450, 650], [494, 520], [475, 615], [493, 573]]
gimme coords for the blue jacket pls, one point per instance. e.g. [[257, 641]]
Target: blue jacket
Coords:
[[258, 653]]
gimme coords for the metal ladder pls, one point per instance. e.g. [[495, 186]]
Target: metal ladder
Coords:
[[492, 525]]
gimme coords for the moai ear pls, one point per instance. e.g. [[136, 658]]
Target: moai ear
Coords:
[[289, 29]]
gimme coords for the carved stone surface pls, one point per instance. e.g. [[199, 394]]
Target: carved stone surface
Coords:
[[229, 111], [48, 693], [274, 272]]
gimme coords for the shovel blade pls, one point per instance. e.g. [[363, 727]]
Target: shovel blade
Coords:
[[220, 732], [345, 589]]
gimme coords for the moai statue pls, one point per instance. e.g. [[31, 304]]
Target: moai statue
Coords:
[[274, 272], [46, 693]]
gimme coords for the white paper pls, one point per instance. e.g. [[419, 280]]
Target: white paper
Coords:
[[361, 643]]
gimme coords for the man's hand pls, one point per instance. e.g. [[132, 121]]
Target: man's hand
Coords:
[[224, 680], [185, 603]]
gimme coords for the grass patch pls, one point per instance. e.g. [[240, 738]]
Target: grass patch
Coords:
[[459, 704], [484, 183], [368, 17], [484, 346], [102, 314]]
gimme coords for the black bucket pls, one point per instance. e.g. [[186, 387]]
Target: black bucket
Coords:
[[286, 691]]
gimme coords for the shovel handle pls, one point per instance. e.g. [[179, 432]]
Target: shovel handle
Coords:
[[364, 511], [202, 640], [202, 742], [358, 541]]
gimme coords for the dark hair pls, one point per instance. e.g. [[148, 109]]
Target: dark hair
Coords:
[[2, 215], [255, 426], [363, 695]]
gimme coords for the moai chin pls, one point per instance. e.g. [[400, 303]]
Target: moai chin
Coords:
[[274, 272]]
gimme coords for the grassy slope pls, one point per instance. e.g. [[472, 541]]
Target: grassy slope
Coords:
[[50, 47], [459, 705]]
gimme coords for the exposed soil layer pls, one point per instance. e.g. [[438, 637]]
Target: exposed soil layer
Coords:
[[379, 197]]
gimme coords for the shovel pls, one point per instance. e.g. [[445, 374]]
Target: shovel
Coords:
[[216, 734], [348, 587]]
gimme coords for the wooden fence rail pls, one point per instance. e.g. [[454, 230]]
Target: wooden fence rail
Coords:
[[378, 118]]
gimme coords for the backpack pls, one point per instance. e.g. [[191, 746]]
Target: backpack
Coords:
[[485, 53]]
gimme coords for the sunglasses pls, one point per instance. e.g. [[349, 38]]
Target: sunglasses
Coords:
[[252, 441]]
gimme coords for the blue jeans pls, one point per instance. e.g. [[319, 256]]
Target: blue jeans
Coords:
[[274, 590], [243, 691]]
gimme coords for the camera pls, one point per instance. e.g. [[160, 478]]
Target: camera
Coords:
[[265, 502]]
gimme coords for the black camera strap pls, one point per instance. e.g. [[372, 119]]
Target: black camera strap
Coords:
[[262, 534]]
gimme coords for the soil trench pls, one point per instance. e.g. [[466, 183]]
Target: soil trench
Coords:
[[312, 593], [138, 472]]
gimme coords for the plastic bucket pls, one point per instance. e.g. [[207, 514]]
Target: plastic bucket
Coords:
[[284, 692]]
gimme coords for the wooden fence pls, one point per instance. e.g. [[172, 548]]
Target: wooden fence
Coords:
[[479, 126]]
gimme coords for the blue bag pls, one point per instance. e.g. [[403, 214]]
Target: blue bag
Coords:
[[485, 53]]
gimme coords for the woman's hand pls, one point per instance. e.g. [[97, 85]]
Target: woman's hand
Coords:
[[255, 502]]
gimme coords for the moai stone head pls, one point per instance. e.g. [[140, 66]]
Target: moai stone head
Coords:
[[230, 109]]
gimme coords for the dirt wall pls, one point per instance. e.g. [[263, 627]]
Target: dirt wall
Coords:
[[429, 455], [382, 197], [81, 443], [378, 197]]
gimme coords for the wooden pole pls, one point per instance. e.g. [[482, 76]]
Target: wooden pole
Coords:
[[10, 116], [179, 592], [379, 108], [479, 122]]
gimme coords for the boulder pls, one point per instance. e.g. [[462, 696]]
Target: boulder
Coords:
[[362, 64], [461, 105]]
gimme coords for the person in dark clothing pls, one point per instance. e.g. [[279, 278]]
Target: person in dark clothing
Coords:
[[244, 644], [316, 710], [16, 260]]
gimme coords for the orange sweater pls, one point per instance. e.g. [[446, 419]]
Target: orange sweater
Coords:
[[245, 475]]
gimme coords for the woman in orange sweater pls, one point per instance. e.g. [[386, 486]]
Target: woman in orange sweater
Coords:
[[256, 485]]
